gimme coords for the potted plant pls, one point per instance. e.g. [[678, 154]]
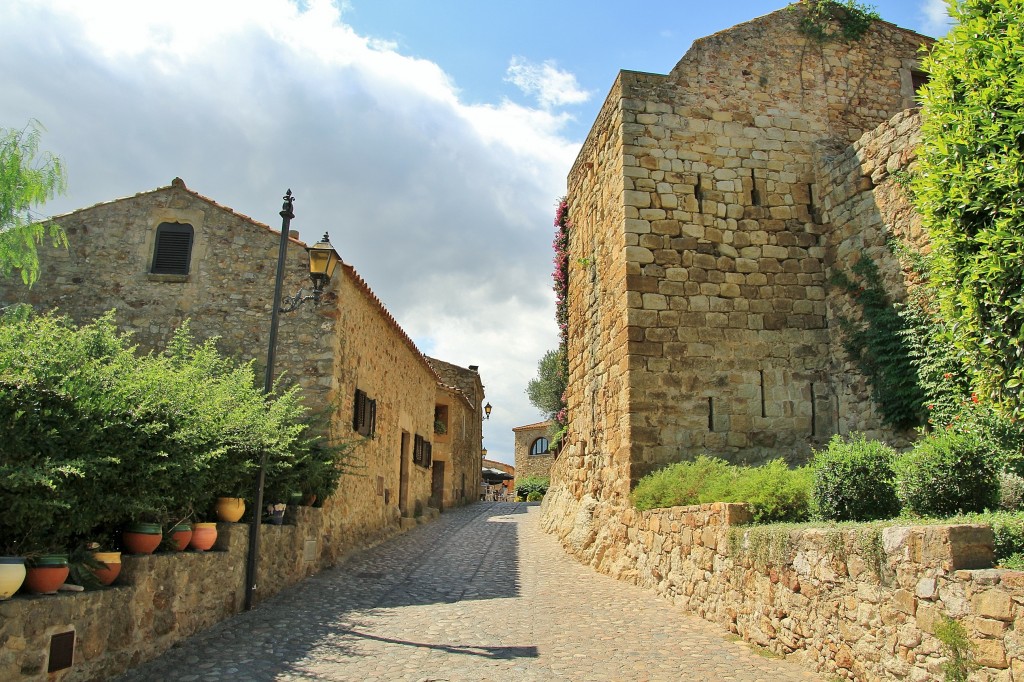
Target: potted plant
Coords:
[[275, 511], [204, 535], [180, 534], [141, 537], [46, 572]]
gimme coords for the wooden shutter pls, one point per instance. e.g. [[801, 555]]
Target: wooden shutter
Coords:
[[173, 252]]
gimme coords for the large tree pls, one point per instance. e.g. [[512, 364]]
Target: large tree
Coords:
[[970, 190], [28, 178]]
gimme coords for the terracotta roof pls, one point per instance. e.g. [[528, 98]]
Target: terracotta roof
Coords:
[[530, 427]]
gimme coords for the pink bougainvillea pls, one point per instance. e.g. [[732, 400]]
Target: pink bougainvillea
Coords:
[[561, 287]]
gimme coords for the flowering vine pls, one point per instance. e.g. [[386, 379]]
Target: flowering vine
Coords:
[[561, 287]]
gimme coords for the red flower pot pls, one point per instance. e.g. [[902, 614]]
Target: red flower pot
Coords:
[[142, 538], [46, 573], [181, 535], [111, 566], [203, 536]]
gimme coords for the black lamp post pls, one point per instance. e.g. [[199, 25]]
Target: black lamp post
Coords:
[[323, 260]]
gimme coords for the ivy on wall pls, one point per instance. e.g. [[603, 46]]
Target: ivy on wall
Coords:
[[878, 345], [826, 21]]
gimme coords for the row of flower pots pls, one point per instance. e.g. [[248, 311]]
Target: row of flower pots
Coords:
[[46, 573]]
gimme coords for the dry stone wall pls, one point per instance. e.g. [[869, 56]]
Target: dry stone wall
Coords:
[[866, 203], [851, 603], [698, 315]]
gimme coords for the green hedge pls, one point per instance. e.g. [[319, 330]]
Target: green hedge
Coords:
[[95, 435]]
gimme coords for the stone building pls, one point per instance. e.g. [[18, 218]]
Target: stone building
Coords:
[[495, 486], [533, 454], [458, 434], [171, 254], [703, 227]]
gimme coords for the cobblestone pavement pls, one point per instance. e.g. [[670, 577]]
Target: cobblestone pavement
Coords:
[[480, 594]]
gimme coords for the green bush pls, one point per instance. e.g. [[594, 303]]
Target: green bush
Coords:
[[968, 189], [853, 480], [947, 473], [532, 484], [774, 491], [534, 496], [95, 435], [678, 484]]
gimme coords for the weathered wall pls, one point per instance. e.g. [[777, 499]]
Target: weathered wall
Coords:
[[461, 393], [865, 206], [158, 600], [697, 299], [860, 609], [527, 464]]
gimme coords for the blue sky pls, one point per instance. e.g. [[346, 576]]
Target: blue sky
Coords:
[[431, 138]]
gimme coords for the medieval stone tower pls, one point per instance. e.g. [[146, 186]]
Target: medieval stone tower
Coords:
[[703, 224]]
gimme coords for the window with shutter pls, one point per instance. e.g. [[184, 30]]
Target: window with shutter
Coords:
[[364, 414], [417, 450], [173, 252]]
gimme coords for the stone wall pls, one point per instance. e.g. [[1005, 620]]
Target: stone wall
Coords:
[[158, 600], [698, 319], [461, 395], [866, 205], [526, 463], [851, 603]]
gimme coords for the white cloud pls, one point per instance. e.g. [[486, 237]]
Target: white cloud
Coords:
[[936, 17], [550, 85], [444, 207]]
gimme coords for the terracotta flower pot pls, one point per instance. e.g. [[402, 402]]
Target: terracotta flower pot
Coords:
[[44, 574], [309, 499], [12, 575], [181, 534], [112, 566], [142, 538], [230, 509], [203, 536]]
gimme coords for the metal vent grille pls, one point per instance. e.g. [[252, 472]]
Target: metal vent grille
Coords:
[[173, 249], [62, 651]]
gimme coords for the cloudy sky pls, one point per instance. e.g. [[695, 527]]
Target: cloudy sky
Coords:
[[431, 138]]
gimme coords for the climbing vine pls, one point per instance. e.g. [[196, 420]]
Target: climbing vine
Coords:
[[826, 21], [878, 346], [561, 287]]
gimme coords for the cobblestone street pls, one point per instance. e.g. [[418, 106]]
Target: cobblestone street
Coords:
[[480, 594]]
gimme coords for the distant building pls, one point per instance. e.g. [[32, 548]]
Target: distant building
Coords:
[[533, 452], [170, 254], [501, 485]]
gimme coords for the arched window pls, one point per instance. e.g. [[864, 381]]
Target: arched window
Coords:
[[539, 447]]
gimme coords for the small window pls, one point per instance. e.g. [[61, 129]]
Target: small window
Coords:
[[173, 252], [364, 415], [422, 451], [440, 419], [539, 447]]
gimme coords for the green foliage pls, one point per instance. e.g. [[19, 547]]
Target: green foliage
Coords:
[[1011, 491], [879, 347], [826, 21], [547, 389], [679, 484], [970, 193], [853, 480], [534, 496], [94, 435], [958, 649], [28, 178], [947, 473], [774, 491], [532, 484]]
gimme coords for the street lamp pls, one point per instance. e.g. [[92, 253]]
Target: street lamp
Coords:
[[483, 453], [323, 260], [487, 410]]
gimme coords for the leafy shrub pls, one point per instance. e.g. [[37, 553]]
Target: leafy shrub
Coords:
[[1011, 491], [968, 190], [678, 484], [853, 480], [774, 491], [534, 496], [532, 484], [947, 473], [95, 435]]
